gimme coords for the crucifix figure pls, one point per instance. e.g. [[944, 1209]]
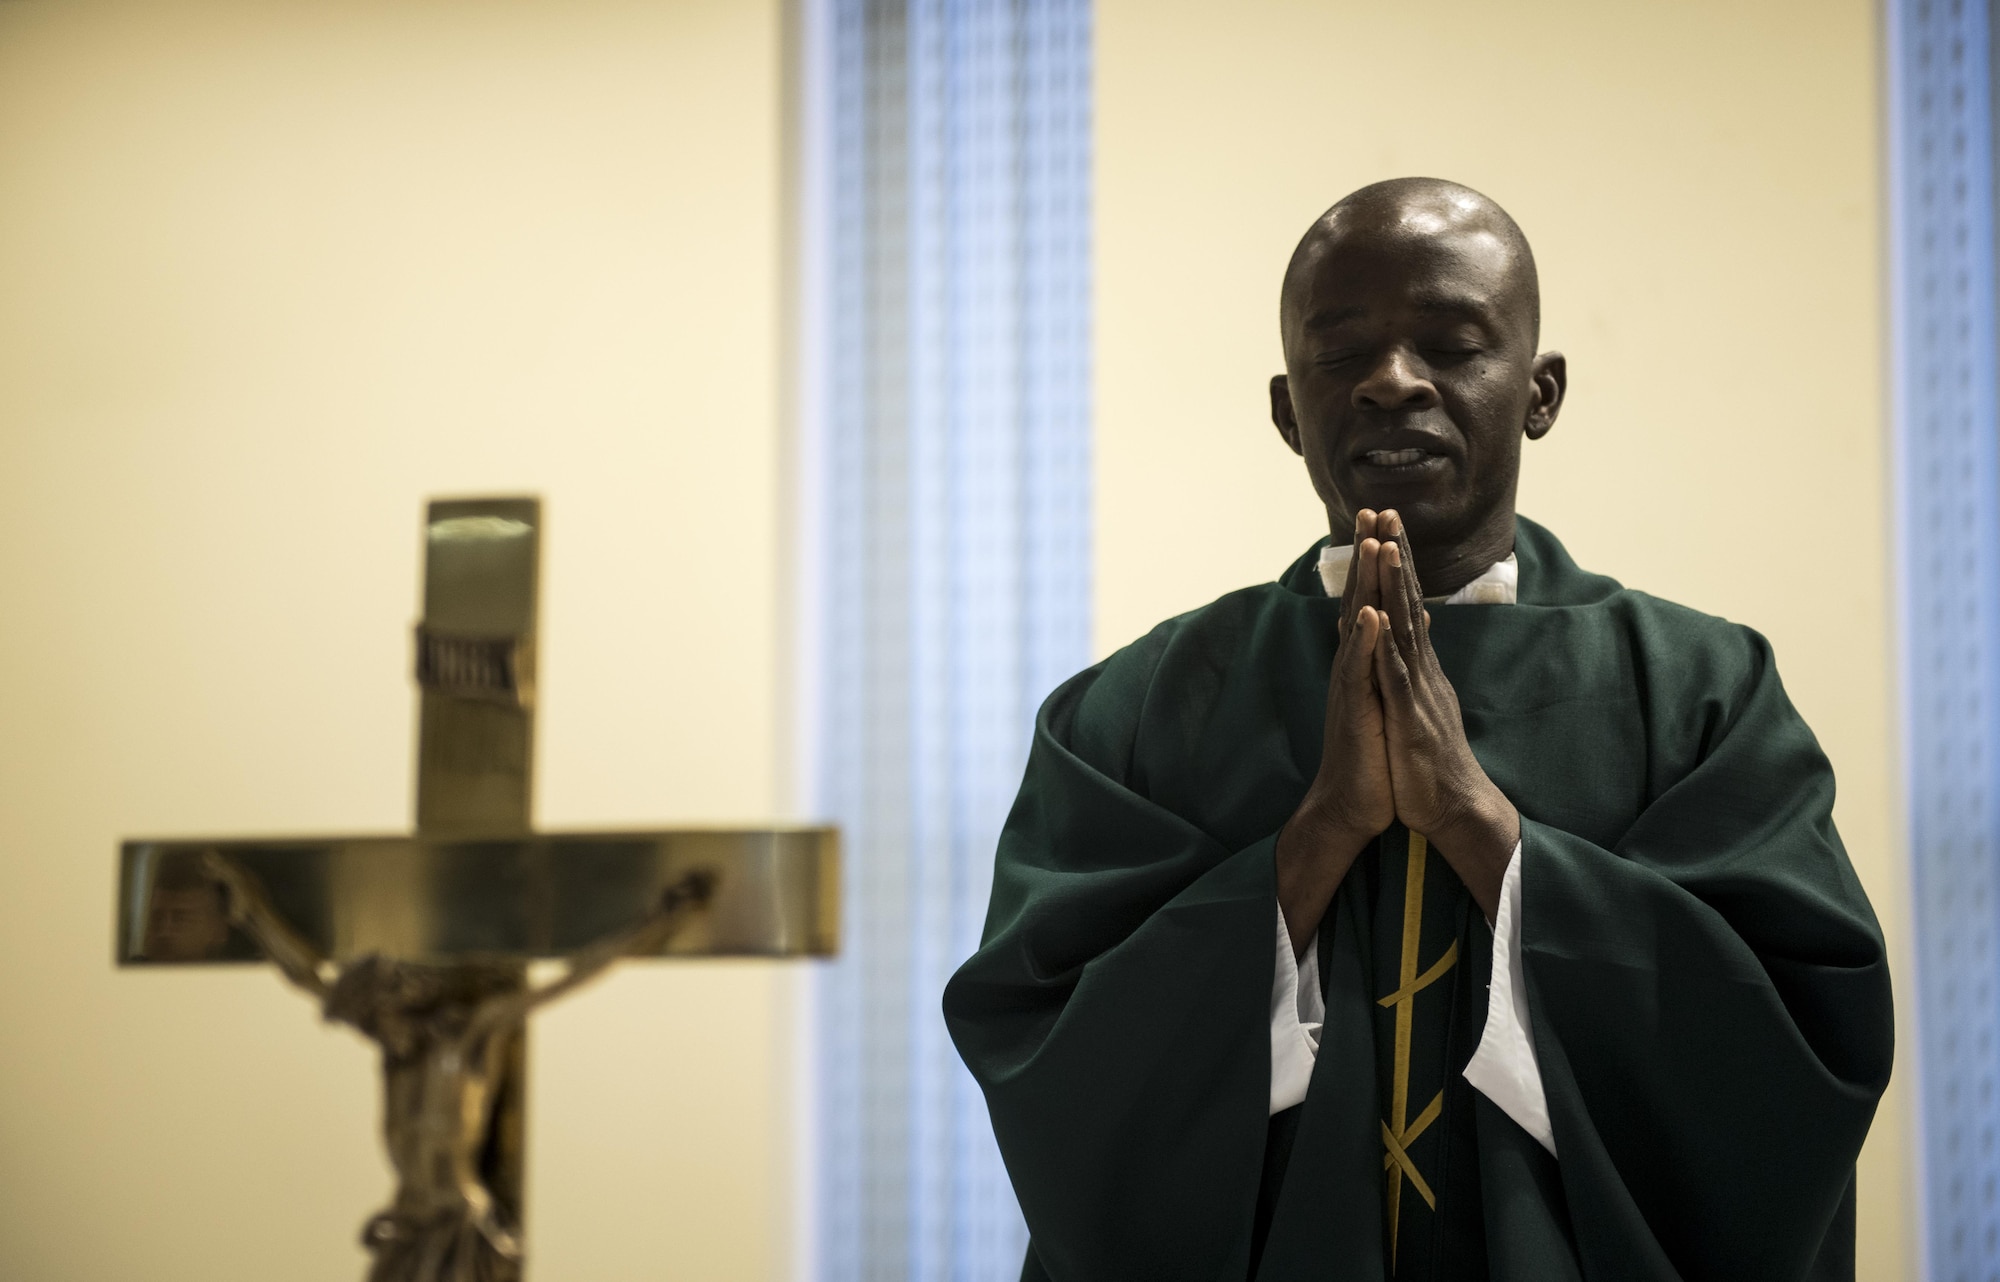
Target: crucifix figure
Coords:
[[423, 944], [446, 1034]]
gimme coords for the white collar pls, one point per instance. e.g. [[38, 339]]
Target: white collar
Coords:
[[1499, 585]]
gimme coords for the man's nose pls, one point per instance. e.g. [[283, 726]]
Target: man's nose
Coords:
[[1397, 382]]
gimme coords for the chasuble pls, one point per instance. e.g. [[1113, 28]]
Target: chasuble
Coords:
[[1709, 995]]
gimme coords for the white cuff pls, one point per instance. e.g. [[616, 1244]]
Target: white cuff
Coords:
[[1298, 1011], [1504, 1068]]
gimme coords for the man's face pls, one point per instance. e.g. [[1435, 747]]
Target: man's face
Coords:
[[1412, 375]]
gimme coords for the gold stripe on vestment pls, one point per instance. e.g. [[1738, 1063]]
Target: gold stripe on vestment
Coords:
[[1399, 1132], [1425, 980], [1399, 1157]]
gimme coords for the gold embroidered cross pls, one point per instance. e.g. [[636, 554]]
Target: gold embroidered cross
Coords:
[[1400, 1132]]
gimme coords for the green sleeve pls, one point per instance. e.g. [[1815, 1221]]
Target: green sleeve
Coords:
[[1710, 1000], [1117, 1014]]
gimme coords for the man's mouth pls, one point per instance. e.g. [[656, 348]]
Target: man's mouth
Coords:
[[1400, 459]]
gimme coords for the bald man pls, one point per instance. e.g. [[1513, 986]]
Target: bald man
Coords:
[[1442, 910]]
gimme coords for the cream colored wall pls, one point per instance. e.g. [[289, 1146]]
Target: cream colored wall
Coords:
[[1700, 182], [270, 275]]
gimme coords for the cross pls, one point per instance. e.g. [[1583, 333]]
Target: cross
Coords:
[[423, 942]]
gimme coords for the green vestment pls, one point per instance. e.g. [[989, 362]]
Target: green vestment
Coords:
[[1706, 982]]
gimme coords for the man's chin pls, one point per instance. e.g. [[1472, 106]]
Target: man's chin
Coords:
[[1425, 510]]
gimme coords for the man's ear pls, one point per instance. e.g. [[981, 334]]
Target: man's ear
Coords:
[[1550, 377], [1283, 415]]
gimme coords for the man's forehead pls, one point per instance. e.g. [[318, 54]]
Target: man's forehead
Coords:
[[1421, 239], [1419, 251], [1440, 275], [1339, 307]]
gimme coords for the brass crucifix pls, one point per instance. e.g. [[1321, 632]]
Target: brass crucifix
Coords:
[[422, 943]]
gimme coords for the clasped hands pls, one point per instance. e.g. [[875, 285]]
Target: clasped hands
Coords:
[[1394, 746]]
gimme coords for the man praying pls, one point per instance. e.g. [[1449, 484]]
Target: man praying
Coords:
[[1443, 910]]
